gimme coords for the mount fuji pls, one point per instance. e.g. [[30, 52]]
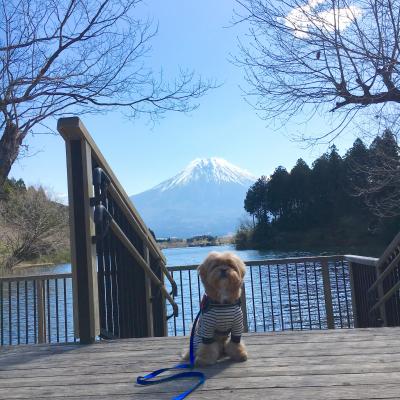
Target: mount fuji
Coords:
[[204, 198]]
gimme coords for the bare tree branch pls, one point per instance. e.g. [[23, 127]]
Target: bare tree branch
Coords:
[[79, 56], [329, 55]]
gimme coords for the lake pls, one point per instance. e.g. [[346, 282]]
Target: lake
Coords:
[[185, 256]]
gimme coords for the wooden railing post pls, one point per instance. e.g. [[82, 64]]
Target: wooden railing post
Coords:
[[164, 306], [244, 309], [149, 299], [83, 249], [381, 293], [327, 294], [41, 311], [353, 296]]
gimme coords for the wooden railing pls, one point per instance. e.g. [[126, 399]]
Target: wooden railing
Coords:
[[386, 287], [290, 294], [279, 294], [118, 270], [36, 309], [363, 273]]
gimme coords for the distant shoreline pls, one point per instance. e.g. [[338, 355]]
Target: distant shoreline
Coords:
[[181, 243], [32, 265]]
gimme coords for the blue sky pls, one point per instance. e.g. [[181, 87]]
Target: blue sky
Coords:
[[194, 35]]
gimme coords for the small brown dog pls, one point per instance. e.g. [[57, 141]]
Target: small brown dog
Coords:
[[221, 314]]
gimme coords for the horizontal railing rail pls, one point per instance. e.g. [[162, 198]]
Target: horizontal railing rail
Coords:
[[282, 294], [36, 309], [267, 262]]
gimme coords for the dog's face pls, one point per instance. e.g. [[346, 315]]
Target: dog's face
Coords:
[[222, 276]]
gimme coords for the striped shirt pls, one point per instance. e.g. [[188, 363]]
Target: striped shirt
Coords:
[[219, 319]]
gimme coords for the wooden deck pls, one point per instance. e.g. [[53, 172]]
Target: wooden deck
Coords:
[[341, 364]]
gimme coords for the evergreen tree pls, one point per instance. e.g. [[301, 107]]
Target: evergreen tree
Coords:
[[255, 202], [300, 186], [278, 193]]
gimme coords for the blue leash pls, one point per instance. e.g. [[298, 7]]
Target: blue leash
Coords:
[[148, 379]]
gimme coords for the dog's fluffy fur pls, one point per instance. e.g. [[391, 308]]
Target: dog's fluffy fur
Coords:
[[222, 277]]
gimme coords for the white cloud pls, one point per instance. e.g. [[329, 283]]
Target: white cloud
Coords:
[[302, 19]]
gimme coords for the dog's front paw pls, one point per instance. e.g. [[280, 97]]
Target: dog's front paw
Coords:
[[236, 351], [207, 354], [204, 361]]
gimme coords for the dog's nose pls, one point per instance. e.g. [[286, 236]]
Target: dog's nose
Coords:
[[223, 273]]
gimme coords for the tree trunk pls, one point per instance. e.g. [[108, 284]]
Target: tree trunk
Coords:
[[10, 143]]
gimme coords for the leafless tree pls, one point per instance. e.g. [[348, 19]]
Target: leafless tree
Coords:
[[321, 55], [31, 225], [62, 57], [375, 174]]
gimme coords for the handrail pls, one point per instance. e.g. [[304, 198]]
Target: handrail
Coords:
[[388, 251], [369, 261], [386, 297], [385, 273], [273, 261], [116, 196], [72, 128], [386, 265], [38, 277], [129, 246]]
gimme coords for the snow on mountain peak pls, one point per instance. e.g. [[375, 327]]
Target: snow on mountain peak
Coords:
[[212, 169]]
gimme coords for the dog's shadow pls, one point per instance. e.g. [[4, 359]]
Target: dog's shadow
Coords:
[[178, 386], [214, 370]]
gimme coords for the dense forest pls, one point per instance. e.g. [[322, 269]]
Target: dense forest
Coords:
[[339, 203]]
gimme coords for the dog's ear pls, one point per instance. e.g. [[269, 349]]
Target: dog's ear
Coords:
[[242, 268], [239, 263], [202, 268]]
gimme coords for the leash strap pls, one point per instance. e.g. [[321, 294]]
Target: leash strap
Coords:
[[149, 378]]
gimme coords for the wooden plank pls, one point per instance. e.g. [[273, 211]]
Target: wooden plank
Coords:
[[339, 393], [43, 369], [317, 374], [257, 340], [253, 367], [358, 392], [260, 351], [82, 387], [289, 337]]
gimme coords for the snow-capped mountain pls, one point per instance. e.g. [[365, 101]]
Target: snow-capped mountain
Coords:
[[204, 198]]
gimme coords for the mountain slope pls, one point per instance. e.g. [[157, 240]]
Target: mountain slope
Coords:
[[205, 198]]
